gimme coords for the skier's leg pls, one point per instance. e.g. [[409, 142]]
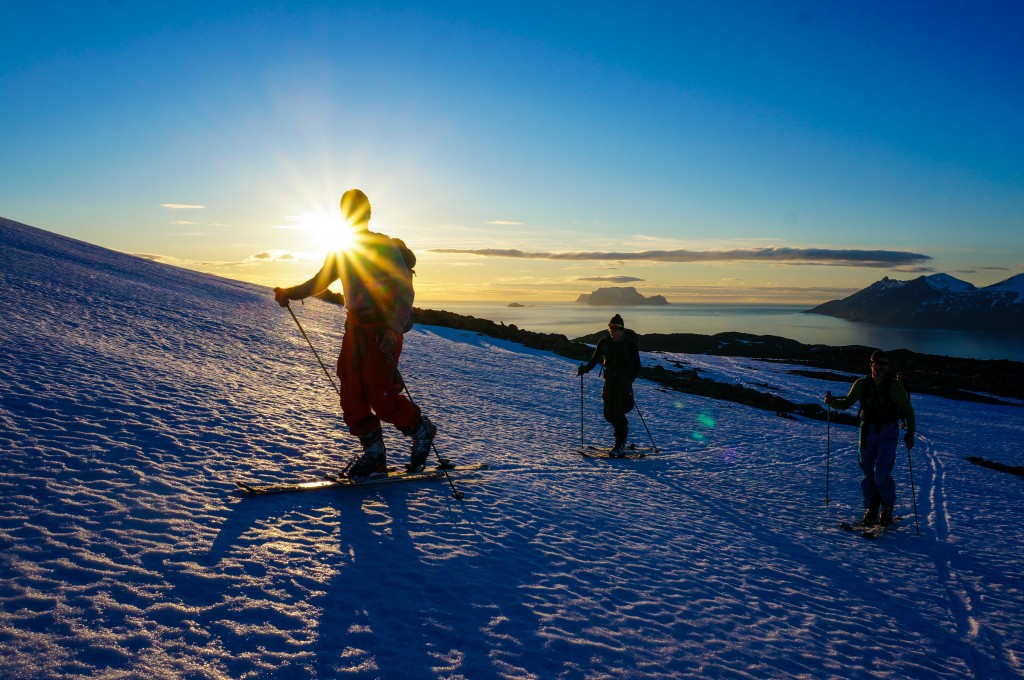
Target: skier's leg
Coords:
[[355, 405], [868, 486], [384, 391], [884, 462]]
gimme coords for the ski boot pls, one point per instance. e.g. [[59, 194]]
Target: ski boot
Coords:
[[422, 437], [886, 517], [373, 461], [871, 515]]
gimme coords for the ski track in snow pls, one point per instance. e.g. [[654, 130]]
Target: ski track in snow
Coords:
[[135, 394]]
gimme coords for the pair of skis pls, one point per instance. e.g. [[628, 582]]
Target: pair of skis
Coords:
[[337, 482], [396, 475], [631, 451], [869, 532]]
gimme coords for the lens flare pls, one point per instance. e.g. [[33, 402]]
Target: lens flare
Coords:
[[705, 423], [326, 233]]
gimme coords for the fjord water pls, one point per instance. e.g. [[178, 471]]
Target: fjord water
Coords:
[[788, 321]]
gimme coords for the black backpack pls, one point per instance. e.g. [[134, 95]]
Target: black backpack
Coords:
[[407, 254]]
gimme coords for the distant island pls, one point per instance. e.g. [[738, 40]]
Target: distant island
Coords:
[[516, 304], [936, 301], [620, 297]]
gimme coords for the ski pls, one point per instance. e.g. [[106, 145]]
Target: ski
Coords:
[[334, 482], [632, 451], [871, 532]]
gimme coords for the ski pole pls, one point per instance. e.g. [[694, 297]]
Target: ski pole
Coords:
[[913, 492], [637, 407], [581, 411], [315, 353], [828, 445], [456, 494]]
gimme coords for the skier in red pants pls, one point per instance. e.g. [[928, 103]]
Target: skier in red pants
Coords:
[[377, 282]]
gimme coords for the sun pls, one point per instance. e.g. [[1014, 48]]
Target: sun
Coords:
[[326, 233]]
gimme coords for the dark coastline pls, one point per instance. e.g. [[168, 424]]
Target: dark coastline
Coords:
[[986, 381]]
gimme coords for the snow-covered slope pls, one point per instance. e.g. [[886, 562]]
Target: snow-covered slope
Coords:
[[949, 284], [135, 394], [1014, 284]]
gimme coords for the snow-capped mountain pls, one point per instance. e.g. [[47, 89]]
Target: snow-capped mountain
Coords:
[[936, 301], [944, 283]]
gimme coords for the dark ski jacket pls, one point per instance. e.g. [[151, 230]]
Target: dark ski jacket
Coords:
[[621, 359]]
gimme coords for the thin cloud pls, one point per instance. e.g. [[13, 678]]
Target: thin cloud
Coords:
[[273, 256], [610, 279], [822, 256], [182, 206], [184, 222], [502, 222]]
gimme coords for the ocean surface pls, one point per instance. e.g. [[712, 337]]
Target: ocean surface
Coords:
[[788, 321]]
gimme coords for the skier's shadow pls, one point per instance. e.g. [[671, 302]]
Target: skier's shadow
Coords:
[[414, 617], [845, 579]]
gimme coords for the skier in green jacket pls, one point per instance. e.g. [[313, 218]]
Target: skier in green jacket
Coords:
[[883, 404]]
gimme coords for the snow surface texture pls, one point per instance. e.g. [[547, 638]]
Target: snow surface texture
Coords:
[[134, 394]]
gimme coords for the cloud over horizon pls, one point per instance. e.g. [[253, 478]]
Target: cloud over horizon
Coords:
[[611, 279], [182, 206], [822, 256]]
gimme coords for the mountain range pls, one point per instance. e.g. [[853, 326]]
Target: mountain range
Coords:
[[935, 301]]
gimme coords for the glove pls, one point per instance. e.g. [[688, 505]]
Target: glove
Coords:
[[908, 439], [388, 341], [281, 295], [581, 370]]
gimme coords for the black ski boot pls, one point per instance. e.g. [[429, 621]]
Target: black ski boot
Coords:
[[886, 517], [422, 436], [871, 514], [373, 460]]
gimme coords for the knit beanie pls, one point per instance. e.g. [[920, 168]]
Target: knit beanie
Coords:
[[617, 321]]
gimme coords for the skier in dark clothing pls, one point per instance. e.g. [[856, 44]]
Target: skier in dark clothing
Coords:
[[378, 292], [883, 404], [620, 361]]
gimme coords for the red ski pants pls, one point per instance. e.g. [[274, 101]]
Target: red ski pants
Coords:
[[371, 390]]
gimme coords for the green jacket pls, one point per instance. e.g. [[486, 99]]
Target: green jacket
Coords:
[[873, 401]]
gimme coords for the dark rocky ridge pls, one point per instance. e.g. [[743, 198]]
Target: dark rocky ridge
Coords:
[[965, 379], [952, 377]]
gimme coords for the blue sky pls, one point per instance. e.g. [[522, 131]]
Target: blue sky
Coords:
[[761, 146]]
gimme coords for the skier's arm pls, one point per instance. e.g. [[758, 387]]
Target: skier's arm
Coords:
[[843, 403], [321, 280], [634, 362], [906, 408], [595, 359]]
